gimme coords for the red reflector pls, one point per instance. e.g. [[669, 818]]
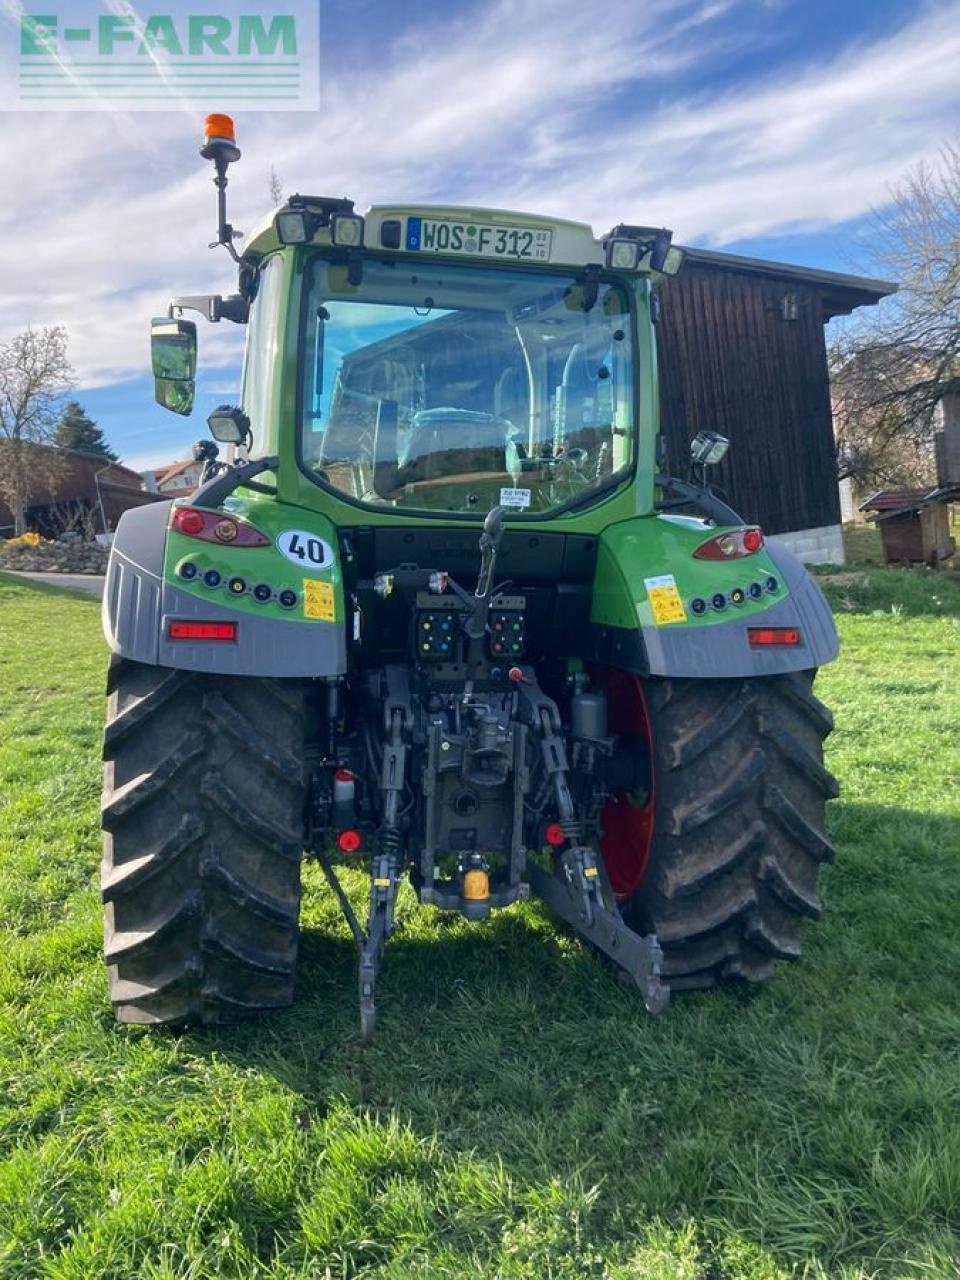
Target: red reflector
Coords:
[[343, 775], [348, 841], [554, 835], [760, 636], [752, 540], [202, 631], [187, 521]]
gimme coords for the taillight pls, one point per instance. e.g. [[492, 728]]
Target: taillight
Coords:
[[202, 631], [760, 637], [214, 526], [349, 841], [730, 546]]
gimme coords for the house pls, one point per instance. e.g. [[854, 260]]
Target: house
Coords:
[[742, 351], [89, 494], [175, 480]]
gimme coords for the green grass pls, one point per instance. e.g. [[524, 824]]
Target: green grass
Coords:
[[861, 543], [518, 1115]]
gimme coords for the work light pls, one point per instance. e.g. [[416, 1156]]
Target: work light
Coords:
[[294, 228], [346, 230], [707, 448], [623, 255]]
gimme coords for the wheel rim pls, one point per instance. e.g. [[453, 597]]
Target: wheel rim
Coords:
[[626, 827]]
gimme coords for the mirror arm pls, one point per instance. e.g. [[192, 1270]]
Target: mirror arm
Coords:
[[701, 497], [213, 306], [217, 490]]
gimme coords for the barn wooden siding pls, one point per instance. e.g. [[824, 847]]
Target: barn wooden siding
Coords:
[[730, 362]]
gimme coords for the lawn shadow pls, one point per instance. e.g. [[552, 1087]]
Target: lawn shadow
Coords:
[[523, 984], [511, 1045]]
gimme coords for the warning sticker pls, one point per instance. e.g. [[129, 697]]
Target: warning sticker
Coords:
[[318, 600], [514, 497], [665, 600]]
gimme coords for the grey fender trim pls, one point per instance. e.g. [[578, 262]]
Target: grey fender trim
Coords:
[[722, 649], [265, 646], [138, 607], [132, 592]]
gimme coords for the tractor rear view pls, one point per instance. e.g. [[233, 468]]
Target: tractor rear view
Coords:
[[437, 613]]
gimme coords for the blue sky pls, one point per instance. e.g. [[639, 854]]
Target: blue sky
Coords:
[[766, 127]]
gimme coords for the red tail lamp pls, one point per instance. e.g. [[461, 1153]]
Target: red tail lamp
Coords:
[[202, 631], [348, 841], [730, 546], [554, 835], [214, 526], [762, 637]]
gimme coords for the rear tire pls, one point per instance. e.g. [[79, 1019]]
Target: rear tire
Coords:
[[203, 835], [739, 835]]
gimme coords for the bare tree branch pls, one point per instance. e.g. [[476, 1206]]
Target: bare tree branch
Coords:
[[891, 374], [34, 375]]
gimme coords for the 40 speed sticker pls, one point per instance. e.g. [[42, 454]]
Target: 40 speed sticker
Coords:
[[303, 548]]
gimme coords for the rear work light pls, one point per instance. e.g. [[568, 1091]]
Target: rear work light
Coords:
[[761, 637], [202, 631], [730, 546], [214, 526]]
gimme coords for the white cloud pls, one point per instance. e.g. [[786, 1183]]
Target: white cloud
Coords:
[[542, 104]]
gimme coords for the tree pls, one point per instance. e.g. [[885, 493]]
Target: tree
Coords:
[[76, 431], [34, 374], [890, 374], [275, 187]]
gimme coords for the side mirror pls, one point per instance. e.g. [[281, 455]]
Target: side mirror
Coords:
[[229, 425], [173, 355], [707, 448]]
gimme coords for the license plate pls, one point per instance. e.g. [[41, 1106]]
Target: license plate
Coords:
[[479, 239]]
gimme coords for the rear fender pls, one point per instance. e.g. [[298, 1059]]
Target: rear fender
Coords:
[[639, 557], [144, 593]]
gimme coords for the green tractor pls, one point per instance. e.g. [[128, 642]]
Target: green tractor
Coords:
[[437, 612]]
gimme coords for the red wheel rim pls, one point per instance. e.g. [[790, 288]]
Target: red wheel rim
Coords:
[[626, 828]]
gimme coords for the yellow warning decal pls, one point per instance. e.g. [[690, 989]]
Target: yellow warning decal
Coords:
[[591, 872], [665, 600], [318, 600]]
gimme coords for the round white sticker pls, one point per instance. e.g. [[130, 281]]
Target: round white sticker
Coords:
[[305, 549]]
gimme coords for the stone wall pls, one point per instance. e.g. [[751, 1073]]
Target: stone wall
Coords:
[[55, 557]]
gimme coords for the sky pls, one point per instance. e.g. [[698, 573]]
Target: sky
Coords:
[[772, 128]]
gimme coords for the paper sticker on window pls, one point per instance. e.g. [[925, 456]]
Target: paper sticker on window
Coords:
[[665, 601], [514, 497], [318, 600]]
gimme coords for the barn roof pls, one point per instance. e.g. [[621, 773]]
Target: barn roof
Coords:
[[840, 293]]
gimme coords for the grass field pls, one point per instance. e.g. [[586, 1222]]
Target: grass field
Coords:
[[519, 1115]]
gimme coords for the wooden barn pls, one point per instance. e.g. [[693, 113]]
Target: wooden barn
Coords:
[[743, 352]]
